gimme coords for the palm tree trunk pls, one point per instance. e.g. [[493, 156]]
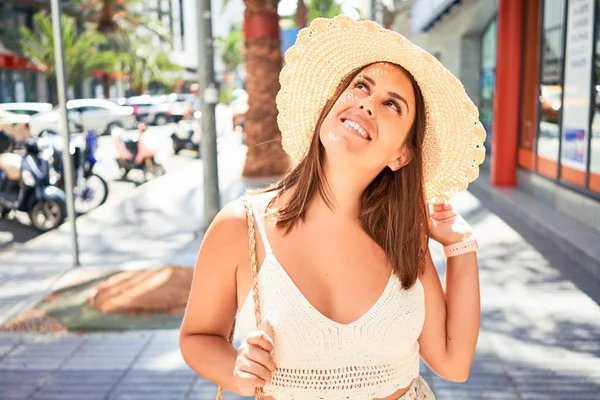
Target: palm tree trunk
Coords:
[[106, 84], [263, 64], [301, 15]]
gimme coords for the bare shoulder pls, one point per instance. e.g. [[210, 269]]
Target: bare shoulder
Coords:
[[212, 302], [230, 225], [227, 236], [233, 212]]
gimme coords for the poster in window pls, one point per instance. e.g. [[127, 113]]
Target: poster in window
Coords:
[[577, 84], [19, 92]]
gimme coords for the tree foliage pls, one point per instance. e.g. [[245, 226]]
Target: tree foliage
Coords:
[[81, 49]]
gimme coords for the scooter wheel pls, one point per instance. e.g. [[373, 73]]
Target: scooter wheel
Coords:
[[47, 214], [92, 195]]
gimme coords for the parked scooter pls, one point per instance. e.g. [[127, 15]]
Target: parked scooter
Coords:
[[90, 189], [133, 153], [25, 186], [187, 134]]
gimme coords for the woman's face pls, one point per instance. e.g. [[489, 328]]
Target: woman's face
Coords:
[[371, 119]]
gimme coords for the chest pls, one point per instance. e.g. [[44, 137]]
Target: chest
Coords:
[[338, 269], [385, 332]]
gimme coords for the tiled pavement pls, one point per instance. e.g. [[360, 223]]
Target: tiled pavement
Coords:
[[540, 336], [149, 229]]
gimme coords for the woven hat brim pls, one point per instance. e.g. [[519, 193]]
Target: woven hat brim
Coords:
[[329, 49]]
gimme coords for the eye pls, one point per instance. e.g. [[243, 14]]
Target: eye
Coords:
[[362, 85], [394, 106]]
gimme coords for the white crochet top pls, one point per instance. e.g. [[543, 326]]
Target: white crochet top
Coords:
[[318, 358]]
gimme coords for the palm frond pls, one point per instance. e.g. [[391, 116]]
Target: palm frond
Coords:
[[82, 54]]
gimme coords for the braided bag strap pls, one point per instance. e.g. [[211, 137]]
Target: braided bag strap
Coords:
[[255, 291]]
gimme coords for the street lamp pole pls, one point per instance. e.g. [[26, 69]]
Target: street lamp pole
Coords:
[[208, 98], [62, 101]]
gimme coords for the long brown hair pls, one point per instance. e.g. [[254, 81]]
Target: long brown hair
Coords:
[[393, 210]]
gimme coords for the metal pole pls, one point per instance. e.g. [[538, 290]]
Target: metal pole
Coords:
[[208, 98], [62, 101]]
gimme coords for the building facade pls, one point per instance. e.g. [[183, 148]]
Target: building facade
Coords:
[[20, 81], [533, 69], [185, 32]]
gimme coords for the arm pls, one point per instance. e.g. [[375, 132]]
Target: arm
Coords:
[[212, 302], [452, 316]]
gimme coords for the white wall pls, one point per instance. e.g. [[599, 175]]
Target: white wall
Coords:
[[456, 39], [186, 51]]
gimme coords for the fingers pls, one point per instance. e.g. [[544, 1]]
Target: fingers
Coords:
[[260, 339], [255, 364], [253, 368], [248, 382], [441, 207], [261, 357], [266, 327], [441, 212]]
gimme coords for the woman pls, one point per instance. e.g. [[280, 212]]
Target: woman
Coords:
[[376, 129]]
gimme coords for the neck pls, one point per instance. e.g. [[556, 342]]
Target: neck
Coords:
[[345, 186]]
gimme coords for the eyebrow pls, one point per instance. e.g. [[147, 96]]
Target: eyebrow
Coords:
[[391, 94]]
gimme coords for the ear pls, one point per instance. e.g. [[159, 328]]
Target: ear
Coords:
[[403, 158]]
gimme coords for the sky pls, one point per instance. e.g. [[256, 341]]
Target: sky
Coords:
[[288, 7]]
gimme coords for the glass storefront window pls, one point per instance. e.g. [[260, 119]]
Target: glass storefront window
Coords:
[[594, 177], [17, 86], [550, 99], [488, 71]]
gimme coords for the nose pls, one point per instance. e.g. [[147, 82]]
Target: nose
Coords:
[[367, 106]]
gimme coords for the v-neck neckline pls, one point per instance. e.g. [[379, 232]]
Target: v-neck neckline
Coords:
[[284, 274]]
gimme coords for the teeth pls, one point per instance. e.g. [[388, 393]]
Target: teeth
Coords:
[[357, 128]]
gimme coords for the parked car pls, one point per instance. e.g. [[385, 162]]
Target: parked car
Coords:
[[98, 115], [148, 109], [26, 108], [173, 107], [15, 125]]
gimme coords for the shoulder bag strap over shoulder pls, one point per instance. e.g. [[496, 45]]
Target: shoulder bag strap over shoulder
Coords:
[[255, 291]]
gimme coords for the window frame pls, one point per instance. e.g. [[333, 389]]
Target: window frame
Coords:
[[583, 190]]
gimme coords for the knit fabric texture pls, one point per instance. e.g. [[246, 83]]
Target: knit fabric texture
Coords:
[[318, 358]]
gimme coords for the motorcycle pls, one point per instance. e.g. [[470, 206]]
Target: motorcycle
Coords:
[[134, 154], [90, 189], [25, 186], [187, 134]]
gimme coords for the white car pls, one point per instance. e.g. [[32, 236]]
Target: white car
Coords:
[[171, 107], [26, 108], [98, 115]]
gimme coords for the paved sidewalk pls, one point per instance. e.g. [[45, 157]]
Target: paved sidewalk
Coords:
[[159, 223], [540, 335]]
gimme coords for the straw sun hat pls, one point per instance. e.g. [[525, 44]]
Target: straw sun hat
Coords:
[[330, 49]]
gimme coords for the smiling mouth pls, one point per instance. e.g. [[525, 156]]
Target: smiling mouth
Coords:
[[354, 126]]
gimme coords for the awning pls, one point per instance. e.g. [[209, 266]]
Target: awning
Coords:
[[15, 61], [425, 13]]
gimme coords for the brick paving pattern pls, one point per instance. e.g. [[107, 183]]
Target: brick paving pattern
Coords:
[[540, 337]]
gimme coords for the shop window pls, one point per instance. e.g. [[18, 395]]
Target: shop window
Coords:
[[550, 98], [577, 110], [488, 70], [594, 176], [530, 86]]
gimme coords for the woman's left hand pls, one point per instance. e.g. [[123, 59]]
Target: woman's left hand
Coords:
[[446, 226]]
